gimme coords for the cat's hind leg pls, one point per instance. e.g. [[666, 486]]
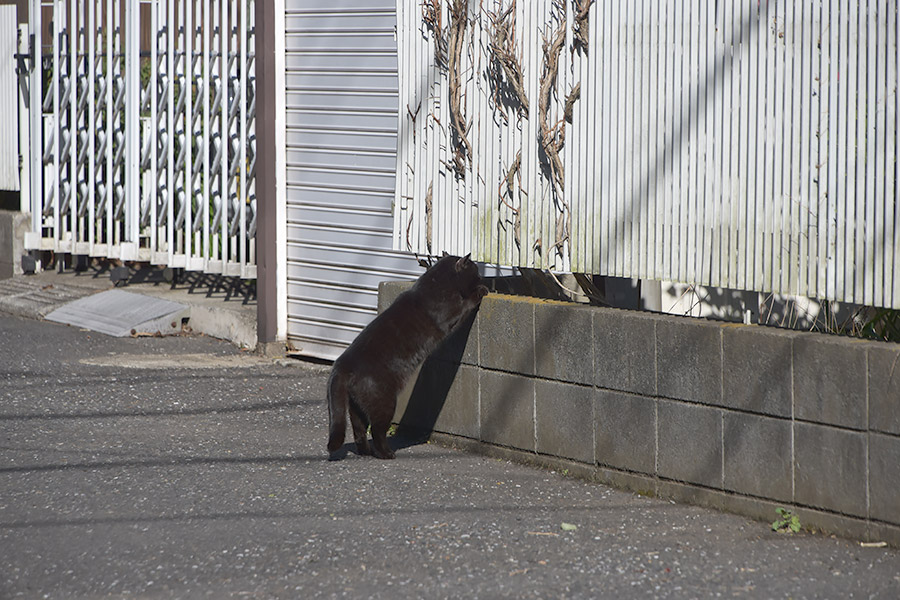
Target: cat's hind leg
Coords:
[[360, 424], [380, 445]]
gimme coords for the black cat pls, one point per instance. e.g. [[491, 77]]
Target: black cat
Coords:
[[370, 373]]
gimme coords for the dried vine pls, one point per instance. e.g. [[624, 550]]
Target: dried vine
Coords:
[[428, 221], [502, 46], [571, 99], [429, 216], [431, 16], [580, 27], [513, 175], [459, 10], [552, 137]]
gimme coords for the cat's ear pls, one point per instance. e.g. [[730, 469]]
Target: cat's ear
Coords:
[[463, 262], [444, 254]]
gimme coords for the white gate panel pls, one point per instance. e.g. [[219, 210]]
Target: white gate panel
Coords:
[[341, 134], [9, 100], [145, 153]]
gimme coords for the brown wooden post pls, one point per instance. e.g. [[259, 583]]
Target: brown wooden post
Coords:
[[266, 191]]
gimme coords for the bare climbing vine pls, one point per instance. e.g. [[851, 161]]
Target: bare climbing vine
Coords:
[[448, 21], [580, 29], [459, 19], [513, 176], [429, 216], [504, 51], [553, 137], [431, 16]]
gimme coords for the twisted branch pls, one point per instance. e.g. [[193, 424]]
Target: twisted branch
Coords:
[[458, 20], [502, 47], [571, 99], [431, 15], [580, 27], [512, 175], [552, 138]]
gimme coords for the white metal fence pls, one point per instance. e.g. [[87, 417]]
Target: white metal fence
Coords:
[[748, 144], [9, 140], [147, 153]]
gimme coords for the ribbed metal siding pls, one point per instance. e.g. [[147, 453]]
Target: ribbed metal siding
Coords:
[[341, 136], [746, 144], [9, 101]]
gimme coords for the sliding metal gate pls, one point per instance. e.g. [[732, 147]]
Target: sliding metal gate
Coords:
[[142, 129], [341, 104]]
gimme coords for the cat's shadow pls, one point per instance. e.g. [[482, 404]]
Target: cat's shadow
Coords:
[[432, 387]]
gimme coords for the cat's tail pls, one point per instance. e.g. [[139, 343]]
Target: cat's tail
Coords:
[[338, 398]]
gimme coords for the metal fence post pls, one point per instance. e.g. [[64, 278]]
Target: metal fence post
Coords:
[[132, 133]]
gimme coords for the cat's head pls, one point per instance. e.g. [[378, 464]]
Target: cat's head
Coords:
[[464, 264], [464, 274]]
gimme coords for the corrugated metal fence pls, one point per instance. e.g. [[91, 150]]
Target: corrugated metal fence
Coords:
[[744, 144], [9, 139], [145, 153]]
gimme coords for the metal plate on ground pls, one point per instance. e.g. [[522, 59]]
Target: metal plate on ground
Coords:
[[119, 313]]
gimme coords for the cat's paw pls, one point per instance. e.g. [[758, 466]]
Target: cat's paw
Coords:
[[386, 454], [481, 291]]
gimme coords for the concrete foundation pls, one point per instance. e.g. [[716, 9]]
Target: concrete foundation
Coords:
[[13, 225]]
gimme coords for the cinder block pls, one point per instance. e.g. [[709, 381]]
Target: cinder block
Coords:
[[563, 342], [689, 360], [388, 292], [507, 410], [442, 396], [830, 380], [757, 369], [461, 346], [506, 333], [690, 443], [460, 413], [625, 351], [884, 388], [884, 478], [564, 418], [758, 456], [830, 468], [626, 431]]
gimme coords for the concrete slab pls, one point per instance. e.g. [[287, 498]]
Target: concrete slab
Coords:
[[118, 313], [221, 307], [33, 298]]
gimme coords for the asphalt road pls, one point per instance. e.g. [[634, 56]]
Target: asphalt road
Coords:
[[181, 468]]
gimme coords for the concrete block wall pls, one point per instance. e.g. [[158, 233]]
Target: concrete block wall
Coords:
[[741, 418]]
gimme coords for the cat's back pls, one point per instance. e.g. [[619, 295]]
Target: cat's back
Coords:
[[399, 332]]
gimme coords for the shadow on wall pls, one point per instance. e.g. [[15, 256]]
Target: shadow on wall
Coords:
[[432, 385]]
